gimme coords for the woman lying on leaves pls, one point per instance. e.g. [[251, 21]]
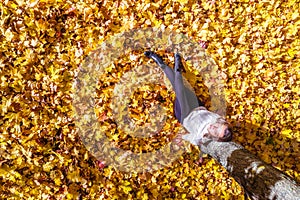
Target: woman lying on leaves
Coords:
[[201, 124]]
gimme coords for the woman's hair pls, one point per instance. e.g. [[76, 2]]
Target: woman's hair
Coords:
[[216, 134]]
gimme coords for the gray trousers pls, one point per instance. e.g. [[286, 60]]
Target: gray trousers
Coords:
[[186, 100]]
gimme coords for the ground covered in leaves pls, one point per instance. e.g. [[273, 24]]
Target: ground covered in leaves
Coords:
[[43, 43]]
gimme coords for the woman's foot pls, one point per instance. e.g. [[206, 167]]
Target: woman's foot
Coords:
[[156, 58], [178, 64]]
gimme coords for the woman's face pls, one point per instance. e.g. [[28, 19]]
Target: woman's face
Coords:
[[220, 132]]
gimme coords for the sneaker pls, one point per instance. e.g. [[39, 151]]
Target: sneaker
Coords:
[[156, 58]]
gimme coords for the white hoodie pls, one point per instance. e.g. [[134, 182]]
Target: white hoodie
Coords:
[[197, 124]]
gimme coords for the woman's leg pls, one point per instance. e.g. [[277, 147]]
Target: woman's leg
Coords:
[[167, 70], [187, 99], [182, 90], [170, 75]]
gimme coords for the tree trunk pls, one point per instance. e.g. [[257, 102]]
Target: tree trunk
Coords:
[[259, 180]]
